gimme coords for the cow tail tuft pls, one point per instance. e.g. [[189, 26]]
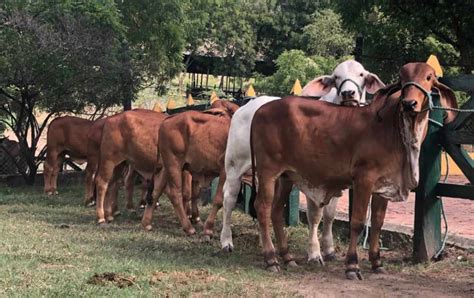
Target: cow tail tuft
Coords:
[[253, 195]]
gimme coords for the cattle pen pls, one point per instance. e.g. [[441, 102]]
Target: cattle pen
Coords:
[[428, 242]]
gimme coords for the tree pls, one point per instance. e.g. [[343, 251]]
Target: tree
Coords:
[[156, 39], [292, 65], [60, 56], [326, 36], [397, 32]]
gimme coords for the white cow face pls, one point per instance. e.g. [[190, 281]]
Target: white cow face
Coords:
[[347, 84]]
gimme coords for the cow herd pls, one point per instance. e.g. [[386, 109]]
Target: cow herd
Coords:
[[321, 146]]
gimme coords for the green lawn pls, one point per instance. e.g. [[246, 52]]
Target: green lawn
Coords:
[[51, 246]]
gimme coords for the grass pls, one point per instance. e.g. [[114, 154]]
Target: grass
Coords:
[[50, 246]]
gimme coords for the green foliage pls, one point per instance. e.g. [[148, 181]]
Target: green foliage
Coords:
[[292, 65], [57, 56], [325, 35], [397, 32], [156, 37]]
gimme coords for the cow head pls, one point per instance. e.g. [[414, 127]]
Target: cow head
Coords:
[[348, 83], [417, 80], [225, 105]]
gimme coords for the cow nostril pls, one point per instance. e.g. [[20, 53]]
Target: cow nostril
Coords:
[[409, 104], [348, 93]]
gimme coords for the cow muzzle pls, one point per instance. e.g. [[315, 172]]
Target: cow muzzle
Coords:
[[409, 105]]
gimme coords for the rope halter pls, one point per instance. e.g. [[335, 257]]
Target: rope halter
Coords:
[[359, 90]]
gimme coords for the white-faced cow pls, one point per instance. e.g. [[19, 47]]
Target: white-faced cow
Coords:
[[347, 85], [324, 148]]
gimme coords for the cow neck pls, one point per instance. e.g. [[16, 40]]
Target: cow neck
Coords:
[[401, 126]]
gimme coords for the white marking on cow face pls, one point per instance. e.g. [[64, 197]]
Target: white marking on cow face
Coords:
[[349, 79], [347, 84]]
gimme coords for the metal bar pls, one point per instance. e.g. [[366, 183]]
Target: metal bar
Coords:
[[455, 191], [427, 227]]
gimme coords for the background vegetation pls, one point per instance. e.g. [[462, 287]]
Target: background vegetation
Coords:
[[84, 56]]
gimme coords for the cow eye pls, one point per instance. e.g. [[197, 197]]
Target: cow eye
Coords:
[[336, 77], [428, 78], [361, 74]]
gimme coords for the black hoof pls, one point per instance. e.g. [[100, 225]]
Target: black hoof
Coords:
[[318, 261], [379, 270], [274, 267], [330, 257], [353, 274], [229, 248]]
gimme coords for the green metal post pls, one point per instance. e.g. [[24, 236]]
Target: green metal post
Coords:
[[427, 231], [292, 214]]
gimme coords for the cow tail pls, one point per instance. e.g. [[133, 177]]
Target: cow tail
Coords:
[[253, 195]]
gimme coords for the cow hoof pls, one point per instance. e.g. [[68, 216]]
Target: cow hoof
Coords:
[[353, 274], [148, 228], [318, 261], [56, 193], [228, 248], [379, 270], [330, 257], [206, 238], [110, 218], [196, 220], [49, 193], [291, 264], [90, 204], [117, 213], [190, 232], [275, 267], [142, 206], [101, 223]]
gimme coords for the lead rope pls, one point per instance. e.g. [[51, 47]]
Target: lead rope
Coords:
[[445, 238]]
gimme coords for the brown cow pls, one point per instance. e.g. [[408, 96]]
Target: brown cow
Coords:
[[323, 148], [193, 144], [130, 137], [66, 135]]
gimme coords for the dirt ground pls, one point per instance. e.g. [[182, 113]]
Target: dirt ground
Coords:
[[439, 280]]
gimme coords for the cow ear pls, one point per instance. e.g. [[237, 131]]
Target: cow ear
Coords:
[[319, 86], [447, 99], [373, 83]]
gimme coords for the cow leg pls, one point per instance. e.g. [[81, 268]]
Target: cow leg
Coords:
[[91, 167], [144, 185], [129, 182], [314, 215], [102, 179], [156, 187], [283, 190], [329, 213], [379, 207], [55, 173], [231, 191], [188, 186], [216, 205], [362, 192], [49, 164], [110, 204], [195, 196], [263, 205]]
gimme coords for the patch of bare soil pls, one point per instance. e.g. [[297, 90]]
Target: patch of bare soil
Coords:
[[112, 278], [451, 277], [185, 277]]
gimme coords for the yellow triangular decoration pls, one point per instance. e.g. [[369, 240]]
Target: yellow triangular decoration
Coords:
[[296, 89], [250, 91], [433, 62], [214, 97], [157, 107], [190, 100], [171, 104]]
